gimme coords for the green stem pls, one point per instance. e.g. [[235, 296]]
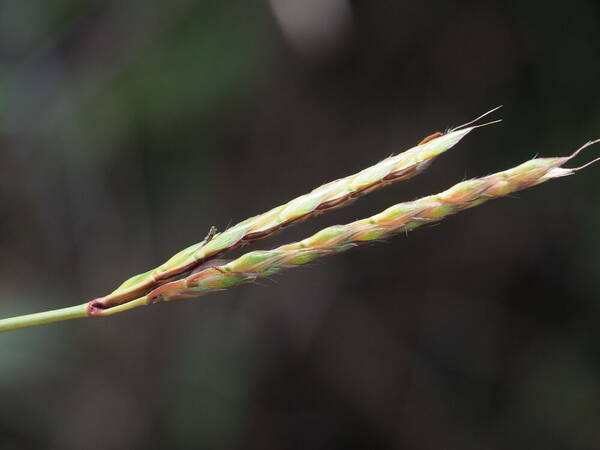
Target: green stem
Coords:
[[56, 315]]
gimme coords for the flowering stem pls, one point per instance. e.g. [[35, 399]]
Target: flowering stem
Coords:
[[399, 218]]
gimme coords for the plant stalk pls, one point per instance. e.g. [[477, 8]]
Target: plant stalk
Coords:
[[41, 318]]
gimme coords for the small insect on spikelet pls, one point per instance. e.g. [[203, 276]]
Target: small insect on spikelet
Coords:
[[330, 196], [336, 239]]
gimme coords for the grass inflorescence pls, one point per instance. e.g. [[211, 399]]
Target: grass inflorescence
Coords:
[[194, 271]]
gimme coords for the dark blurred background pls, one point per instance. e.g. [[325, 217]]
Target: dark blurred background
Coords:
[[128, 128]]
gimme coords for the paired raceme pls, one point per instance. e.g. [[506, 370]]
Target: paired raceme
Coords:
[[330, 196], [194, 271], [399, 218]]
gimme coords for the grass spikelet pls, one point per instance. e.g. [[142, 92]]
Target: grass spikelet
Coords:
[[335, 194]]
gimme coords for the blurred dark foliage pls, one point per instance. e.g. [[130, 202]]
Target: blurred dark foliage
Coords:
[[128, 128]]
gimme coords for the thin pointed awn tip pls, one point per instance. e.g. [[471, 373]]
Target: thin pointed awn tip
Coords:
[[464, 125], [579, 150]]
